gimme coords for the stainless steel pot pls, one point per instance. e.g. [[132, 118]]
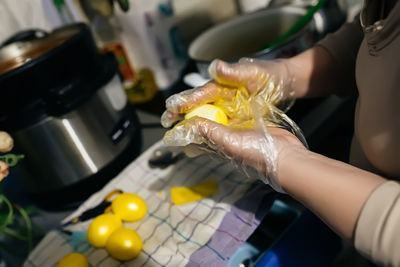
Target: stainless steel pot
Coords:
[[247, 35]]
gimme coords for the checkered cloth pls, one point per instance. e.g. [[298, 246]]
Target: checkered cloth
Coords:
[[205, 232]]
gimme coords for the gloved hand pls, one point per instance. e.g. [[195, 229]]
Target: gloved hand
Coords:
[[248, 92], [265, 81], [261, 149]]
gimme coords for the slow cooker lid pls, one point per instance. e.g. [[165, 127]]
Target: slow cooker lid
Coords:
[[31, 44]]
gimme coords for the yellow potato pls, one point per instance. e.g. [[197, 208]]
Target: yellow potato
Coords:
[[101, 228], [124, 244], [73, 259], [129, 207], [209, 112]]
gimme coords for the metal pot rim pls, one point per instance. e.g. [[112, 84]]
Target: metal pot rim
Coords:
[[230, 24]]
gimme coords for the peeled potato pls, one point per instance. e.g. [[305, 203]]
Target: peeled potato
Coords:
[[6, 142], [209, 112]]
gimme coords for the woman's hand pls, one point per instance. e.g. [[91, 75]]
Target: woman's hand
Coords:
[[253, 93], [268, 81], [259, 149]]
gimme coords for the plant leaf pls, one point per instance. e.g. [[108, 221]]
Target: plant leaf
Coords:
[[9, 217]]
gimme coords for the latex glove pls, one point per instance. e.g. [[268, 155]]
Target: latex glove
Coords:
[[265, 81]]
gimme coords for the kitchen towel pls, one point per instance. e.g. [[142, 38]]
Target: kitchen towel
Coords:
[[205, 232]]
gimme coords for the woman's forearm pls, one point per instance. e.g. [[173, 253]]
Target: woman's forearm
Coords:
[[333, 190], [315, 73]]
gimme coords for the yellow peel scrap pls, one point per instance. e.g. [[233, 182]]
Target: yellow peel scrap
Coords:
[[183, 195]]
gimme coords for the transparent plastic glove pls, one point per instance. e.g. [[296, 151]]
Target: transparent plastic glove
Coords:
[[268, 81], [252, 94], [260, 149]]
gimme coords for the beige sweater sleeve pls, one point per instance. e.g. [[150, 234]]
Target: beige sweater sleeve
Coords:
[[344, 45], [378, 229]]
